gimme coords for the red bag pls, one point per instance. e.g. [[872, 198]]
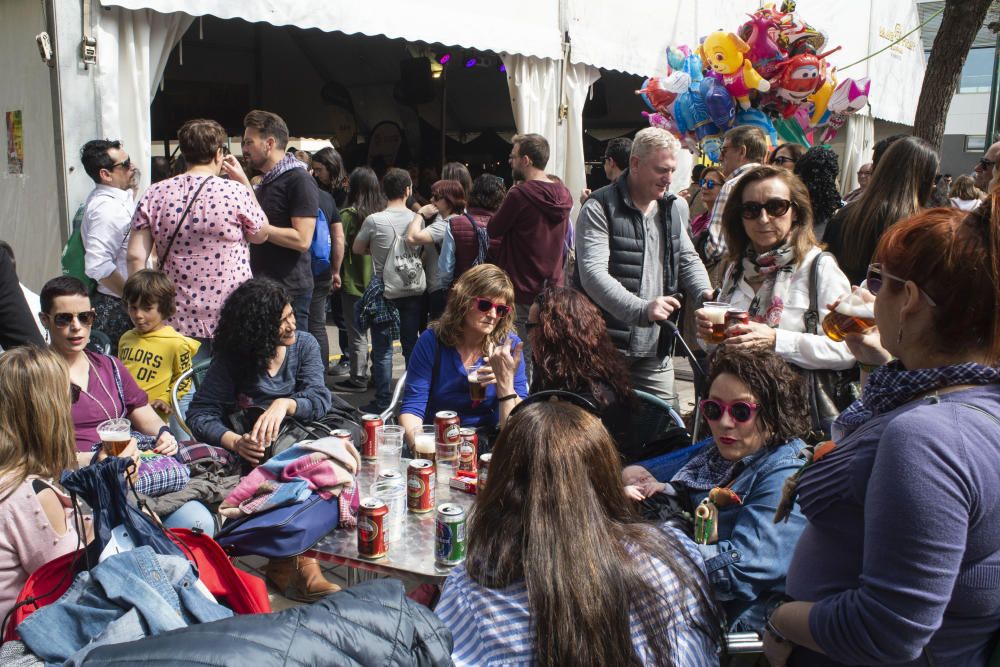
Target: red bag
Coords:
[[240, 591]]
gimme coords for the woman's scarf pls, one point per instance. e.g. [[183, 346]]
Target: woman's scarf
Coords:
[[891, 385], [776, 267], [705, 470]]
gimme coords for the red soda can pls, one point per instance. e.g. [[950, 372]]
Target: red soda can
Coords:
[[420, 483], [737, 317], [369, 423], [448, 425], [468, 450], [371, 528], [484, 468]]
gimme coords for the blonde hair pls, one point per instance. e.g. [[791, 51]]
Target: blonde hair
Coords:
[[36, 427], [485, 280], [651, 139]]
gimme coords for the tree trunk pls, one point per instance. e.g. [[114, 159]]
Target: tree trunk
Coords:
[[959, 25]]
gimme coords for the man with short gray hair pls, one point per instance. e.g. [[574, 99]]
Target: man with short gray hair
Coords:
[[634, 256]]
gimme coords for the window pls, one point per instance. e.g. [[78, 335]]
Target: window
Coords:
[[977, 73], [975, 143]]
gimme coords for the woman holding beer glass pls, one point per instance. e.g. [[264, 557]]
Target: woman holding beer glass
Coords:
[[561, 570], [469, 361], [756, 411], [103, 387], [898, 561]]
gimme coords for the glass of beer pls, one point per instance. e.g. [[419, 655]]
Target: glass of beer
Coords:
[[716, 312], [852, 315], [477, 390], [423, 442], [115, 435]]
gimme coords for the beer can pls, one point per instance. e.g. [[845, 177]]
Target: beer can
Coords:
[[344, 434], [420, 483], [484, 468], [448, 424], [449, 545], [737, 317], [390, 475], [467, 451], [371, 528], [369, 450]]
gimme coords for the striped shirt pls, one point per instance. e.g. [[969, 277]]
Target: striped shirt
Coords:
[[493, 626]]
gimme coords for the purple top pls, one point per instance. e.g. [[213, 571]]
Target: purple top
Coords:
[[210, 256], [902, 548], [89, 411]]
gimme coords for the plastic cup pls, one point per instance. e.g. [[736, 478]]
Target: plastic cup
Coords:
[[393, 493], [447, 463], [389, 448], [423, 442], [115, 435], [716, 313]]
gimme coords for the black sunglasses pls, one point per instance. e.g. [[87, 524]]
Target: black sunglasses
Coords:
[[875, 279], [63, 320], [782, 159], [740, 411], [126, 163], [987, 164], [557, 396], [485, 305], [774, 207]]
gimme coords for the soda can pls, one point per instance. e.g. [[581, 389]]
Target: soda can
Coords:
[[390, 475], [420, 483], [737, 317], [369, 450], [371, 528], [448, 425], [344, 434], [449, 545], [484, 468], [467, 451]]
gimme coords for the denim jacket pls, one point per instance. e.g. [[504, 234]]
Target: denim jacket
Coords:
[[748, 564], [129, 596]]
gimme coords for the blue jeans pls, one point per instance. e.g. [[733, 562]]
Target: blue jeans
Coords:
[[382, 363], [194, 516], [411, 312], [300, 306]]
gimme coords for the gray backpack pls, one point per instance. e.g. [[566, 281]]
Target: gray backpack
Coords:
[[403, 273]]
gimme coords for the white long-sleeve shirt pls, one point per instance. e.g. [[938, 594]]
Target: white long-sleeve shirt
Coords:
[[107, 221]]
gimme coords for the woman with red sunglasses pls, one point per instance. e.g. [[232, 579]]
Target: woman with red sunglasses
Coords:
[[757, 413], [474, 337]]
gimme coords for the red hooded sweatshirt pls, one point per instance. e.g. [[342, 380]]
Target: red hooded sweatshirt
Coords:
[[531, 225]]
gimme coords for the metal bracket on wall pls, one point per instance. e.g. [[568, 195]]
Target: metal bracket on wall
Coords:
[[88, 46]]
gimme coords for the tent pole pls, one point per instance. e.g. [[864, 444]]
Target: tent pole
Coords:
[[444, 112]]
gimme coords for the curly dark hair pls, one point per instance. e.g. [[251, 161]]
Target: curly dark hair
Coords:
[[818, 169], [246, 337], [775, 385], [571, 349]]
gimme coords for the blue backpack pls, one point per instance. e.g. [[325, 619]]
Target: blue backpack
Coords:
[[282, 531], [319, 250]]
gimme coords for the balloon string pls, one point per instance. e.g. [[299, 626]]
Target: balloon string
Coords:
[[892, 44]]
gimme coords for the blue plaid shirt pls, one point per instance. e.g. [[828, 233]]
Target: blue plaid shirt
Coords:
[[373, 308]]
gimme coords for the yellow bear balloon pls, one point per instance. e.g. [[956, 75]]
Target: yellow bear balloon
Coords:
[[722, 52]]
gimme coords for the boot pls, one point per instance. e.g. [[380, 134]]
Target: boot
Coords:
[[299, 578]]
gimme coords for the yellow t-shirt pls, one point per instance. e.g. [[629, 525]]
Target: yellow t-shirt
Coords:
[[157, 359]]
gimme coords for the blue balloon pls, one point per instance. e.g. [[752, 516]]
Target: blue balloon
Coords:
[[718, 102], [757, 118]]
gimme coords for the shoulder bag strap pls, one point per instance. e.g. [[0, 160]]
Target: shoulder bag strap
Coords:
[[811, 316], [118, 383], [170, 243]]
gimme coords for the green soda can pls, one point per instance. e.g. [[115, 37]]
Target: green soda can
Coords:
[[449, 546]]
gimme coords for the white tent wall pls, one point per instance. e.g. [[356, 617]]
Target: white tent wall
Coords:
[[29, 201]]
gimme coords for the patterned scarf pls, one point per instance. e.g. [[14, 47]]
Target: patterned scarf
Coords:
[[891, 385], [286, 163], [776, 266]]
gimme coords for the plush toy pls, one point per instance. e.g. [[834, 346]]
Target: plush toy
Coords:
[[722, 52]]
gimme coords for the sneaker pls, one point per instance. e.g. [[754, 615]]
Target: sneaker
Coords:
[[341, 369], [373, 408], [352, 386]]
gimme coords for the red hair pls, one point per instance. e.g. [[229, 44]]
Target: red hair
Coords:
[[452, 192], [571, 348], [955, 258]]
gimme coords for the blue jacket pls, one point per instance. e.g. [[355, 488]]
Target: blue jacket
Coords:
[[451, 389], [747, 565]]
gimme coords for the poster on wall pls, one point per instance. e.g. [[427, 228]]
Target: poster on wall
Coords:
[[15, 143]]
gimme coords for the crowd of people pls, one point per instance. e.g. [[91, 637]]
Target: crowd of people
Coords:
[[843, 526]]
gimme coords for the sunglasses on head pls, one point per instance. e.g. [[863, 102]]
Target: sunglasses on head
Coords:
[[740, 411], [875, 279], [485, 305], [774, 207], [63, 320], [707, 184]]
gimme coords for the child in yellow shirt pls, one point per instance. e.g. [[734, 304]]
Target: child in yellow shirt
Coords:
[[154, 352]]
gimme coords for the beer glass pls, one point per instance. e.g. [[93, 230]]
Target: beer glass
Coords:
[[477, 390], [115, 435], [423, 442], [852, 315], [389, 441], [716, 313]]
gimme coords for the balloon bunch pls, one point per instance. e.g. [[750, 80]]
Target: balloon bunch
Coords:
[[773, 67]]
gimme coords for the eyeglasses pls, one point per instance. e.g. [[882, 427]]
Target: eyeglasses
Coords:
[[708, 184], [485, 305], [774, 207], [557, 396], [125, 163], [740, 411], [782, 159], [74, 392], [63, 320], [873, 281]]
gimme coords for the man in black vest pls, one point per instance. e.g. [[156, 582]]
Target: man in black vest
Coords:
[[634, 254]]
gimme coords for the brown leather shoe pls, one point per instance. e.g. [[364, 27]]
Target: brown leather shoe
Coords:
[[299, 578]]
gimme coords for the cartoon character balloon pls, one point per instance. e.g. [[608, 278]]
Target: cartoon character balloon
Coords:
[[723, 53]]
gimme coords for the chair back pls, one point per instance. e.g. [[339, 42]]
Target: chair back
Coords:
[[196, 374], [391, 414], [656, 428], [99, 342]]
